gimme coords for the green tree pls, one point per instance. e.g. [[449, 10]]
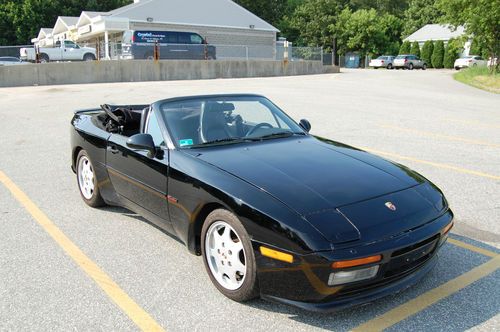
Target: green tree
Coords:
[[453, 48], [438, 55], [271, 11], [418, 14], [314, 20], [394, 7], [481, 19], [426, 53], [366, 31], [20, 20], [415, 49], [476, 49], [405, 47]]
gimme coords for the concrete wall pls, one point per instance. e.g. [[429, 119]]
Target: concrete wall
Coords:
[[141, 70]]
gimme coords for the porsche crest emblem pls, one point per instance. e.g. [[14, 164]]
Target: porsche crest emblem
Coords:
[[390, 206]]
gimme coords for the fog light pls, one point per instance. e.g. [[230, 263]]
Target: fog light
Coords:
[[343, 277]]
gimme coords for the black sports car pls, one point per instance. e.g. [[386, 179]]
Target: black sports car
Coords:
[[274, 211]]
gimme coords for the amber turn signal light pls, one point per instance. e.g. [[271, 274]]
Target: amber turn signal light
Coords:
[[271, 253], [357, 262], [448, 227]]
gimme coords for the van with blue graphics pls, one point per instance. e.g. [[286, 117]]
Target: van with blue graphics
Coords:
[[172, 45]]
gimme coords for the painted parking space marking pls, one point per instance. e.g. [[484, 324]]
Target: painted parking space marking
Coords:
[[138, 315], [447, 137], [431, 163], [434, 295], [473, 122], [472, 247]]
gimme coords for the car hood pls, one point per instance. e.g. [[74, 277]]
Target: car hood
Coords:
[[323, 181]]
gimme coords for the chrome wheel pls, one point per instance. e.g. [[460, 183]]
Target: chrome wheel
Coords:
[[86, 177], [225, 255]]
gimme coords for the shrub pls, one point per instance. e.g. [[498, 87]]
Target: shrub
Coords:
[[426, 53], [438, 55], [405, 48], [451, 53], [415, 49]]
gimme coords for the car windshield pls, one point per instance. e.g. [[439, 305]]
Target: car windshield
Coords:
[[208, 121], [401, 57], [381, 58]]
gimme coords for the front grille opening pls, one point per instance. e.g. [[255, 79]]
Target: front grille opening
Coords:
[[414, 246]]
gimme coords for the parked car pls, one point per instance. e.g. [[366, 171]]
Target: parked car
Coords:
[[172, 45], [384, 61], [66, 50], [409, 61], [469, 61], [274, 211], [11, 61]]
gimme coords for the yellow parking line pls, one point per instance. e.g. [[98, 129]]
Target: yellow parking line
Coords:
[[431, 163], [448, 137], [140, 317], [472, 248], [473, 122], [423, 301]]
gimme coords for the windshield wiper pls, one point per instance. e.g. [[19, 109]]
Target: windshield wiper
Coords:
[[223, 140], [277, 135]]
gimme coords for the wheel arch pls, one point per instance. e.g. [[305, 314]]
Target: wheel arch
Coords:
[[194, 236], [74, 155]]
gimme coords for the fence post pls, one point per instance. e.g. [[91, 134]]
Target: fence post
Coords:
[[246, 52], [285, 52], [97, 50], [156, 54], [37, 54]]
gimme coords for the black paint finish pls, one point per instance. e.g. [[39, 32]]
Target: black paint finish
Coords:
[[317, 199]]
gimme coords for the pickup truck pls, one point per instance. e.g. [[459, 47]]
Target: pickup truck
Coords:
[[63, 51]]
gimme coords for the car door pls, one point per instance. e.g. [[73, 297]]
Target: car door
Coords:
[[138, 178], [71, 51]]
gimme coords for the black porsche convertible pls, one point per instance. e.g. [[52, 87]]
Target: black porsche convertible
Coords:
[[274, 211]]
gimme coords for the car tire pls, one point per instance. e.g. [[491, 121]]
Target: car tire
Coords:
[[44, 58], [389, 66], [410, 66], [89, 57], [226, 251], [424, 66], [87, 181], [457, 68], [149, 56]]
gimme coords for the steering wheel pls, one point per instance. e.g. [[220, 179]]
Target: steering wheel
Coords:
[[106, 108], [258, 126]]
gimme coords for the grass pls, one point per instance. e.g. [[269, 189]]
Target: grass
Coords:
[[479, 77]]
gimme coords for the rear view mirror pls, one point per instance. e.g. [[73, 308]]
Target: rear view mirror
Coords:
[[142, 142], [306, 125]]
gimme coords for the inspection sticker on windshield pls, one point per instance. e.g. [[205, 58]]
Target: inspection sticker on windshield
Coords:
[[185, 142]]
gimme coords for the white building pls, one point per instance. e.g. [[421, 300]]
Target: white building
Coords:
[[220, 22], [437, 32]]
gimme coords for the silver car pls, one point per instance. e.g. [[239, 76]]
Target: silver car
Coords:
[[409, 61], [383, 61], [11, 61]]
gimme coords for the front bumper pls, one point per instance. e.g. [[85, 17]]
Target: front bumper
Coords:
[[304, 283]]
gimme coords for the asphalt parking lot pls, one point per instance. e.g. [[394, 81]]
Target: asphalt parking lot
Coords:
[[65, 266]]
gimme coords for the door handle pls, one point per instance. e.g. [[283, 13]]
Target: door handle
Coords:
[[113, 149]]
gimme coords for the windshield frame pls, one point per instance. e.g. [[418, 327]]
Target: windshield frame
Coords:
[[159, 105]]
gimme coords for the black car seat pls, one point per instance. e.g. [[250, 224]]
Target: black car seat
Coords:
[[213, 123]]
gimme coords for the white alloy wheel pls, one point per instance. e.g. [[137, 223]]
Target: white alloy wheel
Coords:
[[86, 177], [225, 255]]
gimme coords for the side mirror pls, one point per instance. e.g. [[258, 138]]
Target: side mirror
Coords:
[[306, 125], [142, 142]]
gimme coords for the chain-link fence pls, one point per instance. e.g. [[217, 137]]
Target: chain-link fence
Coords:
[[147, 51]]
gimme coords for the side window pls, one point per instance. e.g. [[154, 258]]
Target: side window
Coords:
[[69, 44], [172, 38], [154, 130], [184, 38], [196, 39]]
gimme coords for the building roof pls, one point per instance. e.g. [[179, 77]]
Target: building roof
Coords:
[[435, 32], [64, 23], [219, 13]]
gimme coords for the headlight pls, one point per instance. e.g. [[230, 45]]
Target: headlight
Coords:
[[344, 277]]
